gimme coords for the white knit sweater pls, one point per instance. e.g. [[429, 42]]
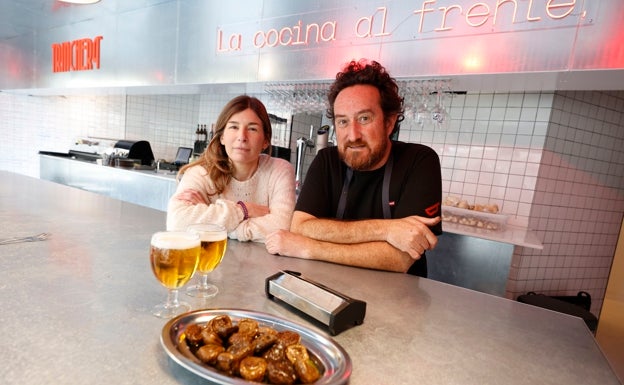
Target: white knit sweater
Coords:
[[273, 185]]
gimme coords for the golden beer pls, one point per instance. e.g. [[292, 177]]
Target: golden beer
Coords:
[[174, 257], [213, 246], [211, 254]]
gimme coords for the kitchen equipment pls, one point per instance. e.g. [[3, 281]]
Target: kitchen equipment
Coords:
[[91, 149], [302, 144], [127, 162], [182, 156], [335, 310], [280, 152], [139, 149], [322, 138], [280, 132]]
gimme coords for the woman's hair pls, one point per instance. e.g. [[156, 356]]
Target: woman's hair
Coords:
[[374, 74], [214, 159]]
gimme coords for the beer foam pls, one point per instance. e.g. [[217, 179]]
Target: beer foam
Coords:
[[212, 236], [209, 232], [174, 240]]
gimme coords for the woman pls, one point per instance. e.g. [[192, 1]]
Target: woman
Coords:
[[235, 183]]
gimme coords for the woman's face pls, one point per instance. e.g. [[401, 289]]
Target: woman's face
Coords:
[[243, 138]]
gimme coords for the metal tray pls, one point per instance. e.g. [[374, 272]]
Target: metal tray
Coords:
[[335, 360]]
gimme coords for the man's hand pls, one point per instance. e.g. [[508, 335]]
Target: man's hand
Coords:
[[412, 234], [286, 243]]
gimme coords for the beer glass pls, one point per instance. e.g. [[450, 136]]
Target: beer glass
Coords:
[[174, 256], [213, 244]]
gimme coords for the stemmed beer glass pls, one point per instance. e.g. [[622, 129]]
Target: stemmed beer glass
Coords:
[[174, 256], [213, 244]]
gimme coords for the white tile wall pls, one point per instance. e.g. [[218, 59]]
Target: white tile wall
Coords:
[[491, 151], [578, 200], [553, 161], [166, 121], [33, 123]]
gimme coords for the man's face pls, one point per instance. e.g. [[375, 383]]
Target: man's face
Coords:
[[362, 135]]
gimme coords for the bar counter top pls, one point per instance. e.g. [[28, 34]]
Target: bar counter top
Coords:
[[76, 307]]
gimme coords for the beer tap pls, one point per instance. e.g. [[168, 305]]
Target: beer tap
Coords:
[[303, 143]]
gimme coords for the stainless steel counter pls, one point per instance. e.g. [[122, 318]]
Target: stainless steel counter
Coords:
[[76, 308], [152, 189], [146, 188]]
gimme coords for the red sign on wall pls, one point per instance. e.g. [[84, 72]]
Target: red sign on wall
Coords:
[[77, 55]]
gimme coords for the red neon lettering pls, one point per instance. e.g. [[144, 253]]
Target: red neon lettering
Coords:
[[269, 35], [297, 33], [484, 15], [77, 55], [552, 6], [330, 27], [515, 9], [220, 41], [479, 13], [291, 36], [281, 38], [529, 17], [96, 51], [234, 42], [66, 56], [368, 31], [422, 12], [256, 37], [444, 14], [309, 32]]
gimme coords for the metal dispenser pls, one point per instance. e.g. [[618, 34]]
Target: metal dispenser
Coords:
[[336, 311]]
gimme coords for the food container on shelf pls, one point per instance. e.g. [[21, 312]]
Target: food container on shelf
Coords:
[[474, 218]]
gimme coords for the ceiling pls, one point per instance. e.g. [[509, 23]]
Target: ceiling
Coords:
[[21, 17]]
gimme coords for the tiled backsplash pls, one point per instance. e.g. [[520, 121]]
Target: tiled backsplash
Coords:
[[552, 161], [578, 200], [492, 149]]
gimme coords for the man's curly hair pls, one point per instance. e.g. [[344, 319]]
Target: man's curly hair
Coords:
[[374, 74]]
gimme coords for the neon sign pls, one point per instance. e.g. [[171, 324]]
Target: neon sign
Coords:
[[427, 20], [477, 14], [77, 55]]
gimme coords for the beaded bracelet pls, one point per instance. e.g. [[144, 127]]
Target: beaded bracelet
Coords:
[[245, 211]]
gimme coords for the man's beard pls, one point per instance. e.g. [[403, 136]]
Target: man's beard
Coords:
[[360, 160]]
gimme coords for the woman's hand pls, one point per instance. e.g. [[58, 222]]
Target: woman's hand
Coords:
[[255, 210]]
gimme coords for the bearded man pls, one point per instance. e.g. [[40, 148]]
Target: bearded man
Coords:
[[370, 201]]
